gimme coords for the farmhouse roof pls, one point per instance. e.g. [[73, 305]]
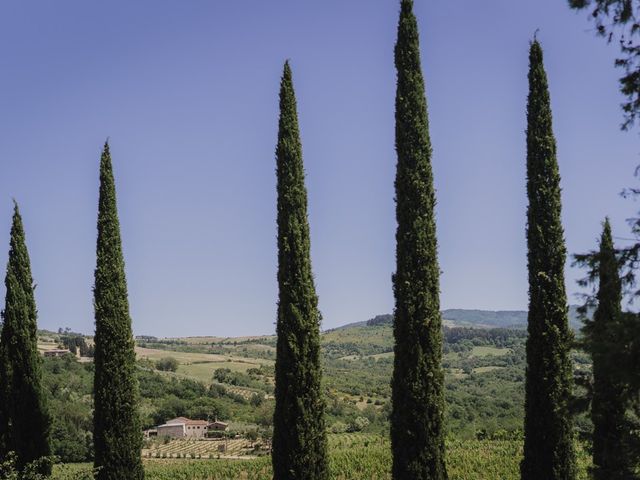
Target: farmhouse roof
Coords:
[[197, 422], [178, 420], [186, 421]]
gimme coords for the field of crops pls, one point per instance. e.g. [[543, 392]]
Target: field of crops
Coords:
[[353, 457], [199, 449]]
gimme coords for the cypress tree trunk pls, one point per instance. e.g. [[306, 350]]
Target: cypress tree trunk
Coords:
[[548, 446], [25, 418], [417, 417], [610, 455], [299, 437], [117, 426]]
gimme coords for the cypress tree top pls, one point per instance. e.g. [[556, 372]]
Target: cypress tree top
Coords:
[[548, 449], [609, 294], [299, 437], [117, 426], [417, 418], [25, 418]]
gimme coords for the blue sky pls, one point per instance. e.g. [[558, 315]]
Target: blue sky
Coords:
[[187, 92]]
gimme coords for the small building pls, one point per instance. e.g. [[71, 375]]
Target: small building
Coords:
[[56, 352], [182, 427], [173, 430], [196, 428], [219, 426]]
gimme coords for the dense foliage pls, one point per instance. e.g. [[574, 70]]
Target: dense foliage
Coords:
[[77, 345], [25, 422], [417, 416], [117, 434], [69, 385], [299, 436], [548, 449], [620, 20]]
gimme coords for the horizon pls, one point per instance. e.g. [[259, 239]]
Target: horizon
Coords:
[[193, 125], [322, 330]]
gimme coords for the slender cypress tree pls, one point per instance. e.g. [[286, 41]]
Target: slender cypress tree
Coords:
[[25, 418], [417, 417], [601, 336], [548, 446], [117, 428], [299, 436]]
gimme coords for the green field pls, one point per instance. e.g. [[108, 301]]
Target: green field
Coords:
[[200, 366], [484, 351], [353, 457], [376, 336], [201, 449]]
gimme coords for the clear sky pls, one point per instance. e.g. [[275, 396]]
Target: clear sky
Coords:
[[187, 92]]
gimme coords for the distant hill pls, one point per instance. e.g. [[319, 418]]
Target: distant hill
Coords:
[[457, 317]]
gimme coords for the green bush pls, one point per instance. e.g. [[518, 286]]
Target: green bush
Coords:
[[167, 364]]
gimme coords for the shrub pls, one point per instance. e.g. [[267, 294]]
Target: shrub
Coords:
[[359, 424], [167, 364]]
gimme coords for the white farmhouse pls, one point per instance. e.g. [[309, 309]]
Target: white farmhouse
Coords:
[[182, 427]]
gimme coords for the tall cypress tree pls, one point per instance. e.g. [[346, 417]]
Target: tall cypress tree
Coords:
[[548, 446], [602, 339], [117, 427], [299, 436], [417, 417], [25, 418]]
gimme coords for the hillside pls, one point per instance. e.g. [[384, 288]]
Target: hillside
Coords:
[[232, 379], [457, 317], [484, 371]]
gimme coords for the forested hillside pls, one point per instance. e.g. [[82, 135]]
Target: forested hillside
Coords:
[[457, 317]]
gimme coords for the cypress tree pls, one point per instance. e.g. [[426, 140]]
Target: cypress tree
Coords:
[[117, 428], [417, 417], [601, 336], [24, 416], [299, 436], [548, 446]]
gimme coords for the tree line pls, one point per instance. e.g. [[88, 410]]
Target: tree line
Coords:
[[417, 412]]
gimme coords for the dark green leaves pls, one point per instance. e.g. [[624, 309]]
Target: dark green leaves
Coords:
[[24, 418], [548, 449], [417, 430], [117, 428], [299, 437]]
